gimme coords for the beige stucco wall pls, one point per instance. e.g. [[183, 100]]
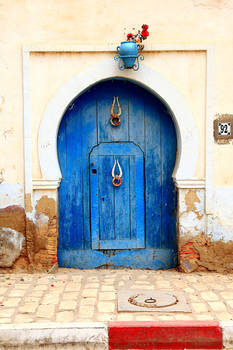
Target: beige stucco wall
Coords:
[[28, 22], [104, 22]]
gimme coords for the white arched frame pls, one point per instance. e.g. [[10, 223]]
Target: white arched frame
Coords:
[[186, 130]]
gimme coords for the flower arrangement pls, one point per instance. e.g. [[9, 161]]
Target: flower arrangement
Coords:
[[139, 36], [129, 54]]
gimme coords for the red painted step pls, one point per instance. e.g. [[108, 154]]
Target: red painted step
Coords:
[[165, 335]]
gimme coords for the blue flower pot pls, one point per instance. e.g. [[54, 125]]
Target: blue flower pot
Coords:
[[128, 55], [128, 51]]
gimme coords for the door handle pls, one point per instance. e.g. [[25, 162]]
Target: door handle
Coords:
[[115, 119], [117, 179]]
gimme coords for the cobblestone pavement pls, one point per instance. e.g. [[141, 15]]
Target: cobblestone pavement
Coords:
[[72, 295]]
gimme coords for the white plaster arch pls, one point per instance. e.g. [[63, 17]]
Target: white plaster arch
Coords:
[[187, 136]]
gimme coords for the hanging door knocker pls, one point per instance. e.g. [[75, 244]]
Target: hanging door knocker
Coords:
[[117, 179], [115, 117]]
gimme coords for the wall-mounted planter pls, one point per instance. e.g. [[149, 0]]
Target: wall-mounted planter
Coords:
[[128, 57]]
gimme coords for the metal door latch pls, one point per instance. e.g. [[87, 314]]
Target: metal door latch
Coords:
[[117, 179], [115, 119]]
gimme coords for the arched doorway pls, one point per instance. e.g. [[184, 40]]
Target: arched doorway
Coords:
[[134, 224]]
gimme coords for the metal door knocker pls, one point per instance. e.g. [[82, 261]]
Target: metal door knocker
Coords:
[[115, 117], [117, 179]]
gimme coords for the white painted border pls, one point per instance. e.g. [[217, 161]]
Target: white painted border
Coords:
[[44, 184], [190, 183], [227, 334], [27, 125], [54, 333], [209, 130], [110, 48]]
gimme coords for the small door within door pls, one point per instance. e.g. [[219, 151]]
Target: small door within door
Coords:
[[117, 212]]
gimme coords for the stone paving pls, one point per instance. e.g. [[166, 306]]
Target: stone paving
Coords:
[[72, 295]]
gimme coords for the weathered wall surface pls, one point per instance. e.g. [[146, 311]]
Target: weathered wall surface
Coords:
[[92, 23], [38, 226], [197, 250], [191, 214], [42, 230]]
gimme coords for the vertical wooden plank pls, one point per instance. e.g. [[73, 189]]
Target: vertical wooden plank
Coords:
[[132, 190], [136, 115], [152, 174], [106, 198], [88, 140], [62, 203], [70, 233], [168, 152], [140, 210], [94, 188], [74, 202], [137, 135], [122, 203]]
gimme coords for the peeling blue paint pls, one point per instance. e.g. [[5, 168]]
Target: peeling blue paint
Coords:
[[86, 224], [136, 259]]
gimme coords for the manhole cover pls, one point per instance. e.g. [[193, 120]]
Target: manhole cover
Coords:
[[163, 300], [144, 300]]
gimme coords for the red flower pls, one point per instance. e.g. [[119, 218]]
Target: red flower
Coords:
[[144, 33], [129, 36], [145, 27]]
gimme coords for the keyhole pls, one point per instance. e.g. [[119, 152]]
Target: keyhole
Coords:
[[103, 199], [94, 171]]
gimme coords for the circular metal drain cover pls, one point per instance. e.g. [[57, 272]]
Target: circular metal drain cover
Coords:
[[153, 300]]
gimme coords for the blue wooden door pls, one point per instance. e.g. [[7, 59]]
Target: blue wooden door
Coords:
[[133, 225], [117, 212]]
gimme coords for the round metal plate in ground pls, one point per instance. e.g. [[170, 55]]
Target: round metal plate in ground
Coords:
[[153, 300]]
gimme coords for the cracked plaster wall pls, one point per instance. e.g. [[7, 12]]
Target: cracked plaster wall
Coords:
[[191, 218], [193, 221]]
